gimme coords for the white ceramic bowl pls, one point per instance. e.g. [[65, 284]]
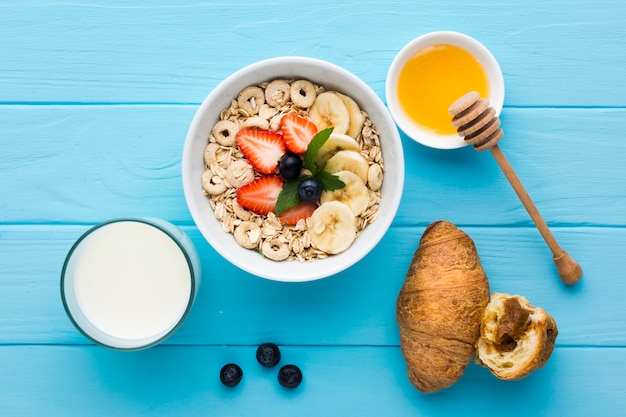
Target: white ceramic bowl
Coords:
[[478, 50], [331, 77]]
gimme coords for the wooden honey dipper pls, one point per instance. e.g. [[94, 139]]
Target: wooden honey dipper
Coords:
[[478, 125]]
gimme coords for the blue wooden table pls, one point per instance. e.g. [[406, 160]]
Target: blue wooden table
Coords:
[[95, 101]]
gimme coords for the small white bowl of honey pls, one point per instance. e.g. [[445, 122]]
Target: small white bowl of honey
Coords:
[[429, 74]]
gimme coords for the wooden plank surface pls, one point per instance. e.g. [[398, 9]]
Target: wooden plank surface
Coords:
[[551, 53], [95, 101], [363, 381], [569, 160], [356, 307]]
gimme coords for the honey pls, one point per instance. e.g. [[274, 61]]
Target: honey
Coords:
[[433, 79]]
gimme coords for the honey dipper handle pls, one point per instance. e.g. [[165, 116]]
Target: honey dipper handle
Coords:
[[569, 270]]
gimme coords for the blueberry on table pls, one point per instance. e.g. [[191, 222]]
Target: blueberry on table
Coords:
[[290, 166], [290, 376], [310, 189], [231, 374], [268, 354]]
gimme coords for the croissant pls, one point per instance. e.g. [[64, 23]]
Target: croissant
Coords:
[[440, 306], [516, 338]]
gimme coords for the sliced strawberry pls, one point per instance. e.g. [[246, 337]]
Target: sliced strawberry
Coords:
[[261, 194], [298, 131], [262, 148], [302, 210]]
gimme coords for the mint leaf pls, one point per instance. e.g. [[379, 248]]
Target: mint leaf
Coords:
[[288, 196], [329, 181], [314, 146]]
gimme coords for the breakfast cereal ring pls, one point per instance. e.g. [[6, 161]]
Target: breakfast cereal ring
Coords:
[[224, 132], [248, 235], [375, 177], [302, 93], [210, 151], [258, 122], [275, 250], [250, 100], [240, 212], [212, 184], [239, 173], [277, 93]]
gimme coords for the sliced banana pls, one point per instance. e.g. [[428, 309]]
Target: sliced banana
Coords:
[[348, 161], [335, 143], [354, 195], [328, 110], [332, 227], [356, 117]]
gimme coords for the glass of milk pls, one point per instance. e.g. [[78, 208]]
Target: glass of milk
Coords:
[[129, 283]]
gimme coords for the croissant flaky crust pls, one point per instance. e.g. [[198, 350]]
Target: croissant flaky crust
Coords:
[[440, 306], [516, 338]]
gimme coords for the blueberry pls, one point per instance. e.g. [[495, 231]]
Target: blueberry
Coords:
[[268, 354], [290, 376], [290, 166], [231, 375], [310, 189]]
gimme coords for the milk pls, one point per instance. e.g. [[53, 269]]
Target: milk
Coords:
[[128, 284]]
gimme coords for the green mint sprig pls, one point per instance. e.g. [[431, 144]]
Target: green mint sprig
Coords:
[[288, 197]]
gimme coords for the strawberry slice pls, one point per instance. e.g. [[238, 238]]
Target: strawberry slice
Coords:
[[262, 148], [302, 210], [261, 194], [298, 131]]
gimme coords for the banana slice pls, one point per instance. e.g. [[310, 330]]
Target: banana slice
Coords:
[[356, 117], [328, 110], [348, 161], [335, 143], [354, 195], [332, 227]]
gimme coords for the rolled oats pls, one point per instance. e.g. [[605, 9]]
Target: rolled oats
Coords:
[[262, 106]]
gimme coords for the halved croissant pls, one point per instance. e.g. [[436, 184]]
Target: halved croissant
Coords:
[[516, 338]]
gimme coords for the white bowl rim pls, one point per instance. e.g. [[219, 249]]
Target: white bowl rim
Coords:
[[246, 259], [480, 51]]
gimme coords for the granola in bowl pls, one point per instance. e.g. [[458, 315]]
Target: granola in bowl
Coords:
[[256, 193], [244, 211]]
